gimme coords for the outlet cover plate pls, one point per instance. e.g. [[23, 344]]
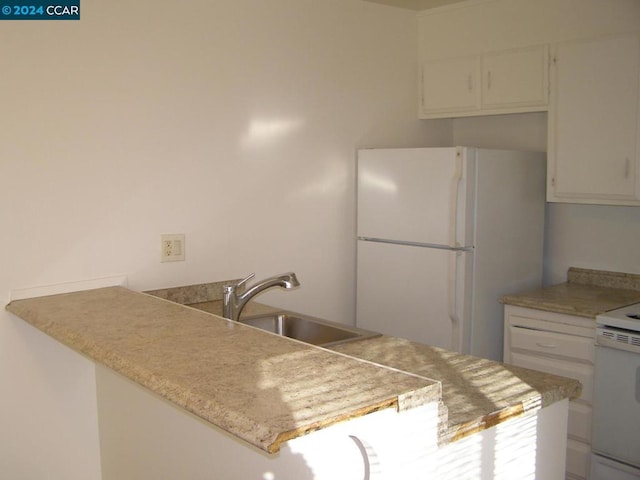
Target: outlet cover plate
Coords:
[[172, 247]]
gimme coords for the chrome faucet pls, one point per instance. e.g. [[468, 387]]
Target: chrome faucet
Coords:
[[233, 303]]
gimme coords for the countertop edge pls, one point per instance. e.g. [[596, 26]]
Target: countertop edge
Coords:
[[283, 437]]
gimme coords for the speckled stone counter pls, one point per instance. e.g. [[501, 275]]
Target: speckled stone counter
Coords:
[[259, 387], [586, 293], [266, 389], [477, 393]]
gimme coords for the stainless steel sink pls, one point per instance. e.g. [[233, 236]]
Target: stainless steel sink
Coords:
[[307, 329]]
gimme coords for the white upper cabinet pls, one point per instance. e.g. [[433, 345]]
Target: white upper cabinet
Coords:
[[488, 57], [593, 122], [506, 81], [514, 79], [451, 86]]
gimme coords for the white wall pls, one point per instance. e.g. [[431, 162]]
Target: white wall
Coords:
[[599, 237], [235, 122]]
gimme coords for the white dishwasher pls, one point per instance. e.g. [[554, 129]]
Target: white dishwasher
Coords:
[[616, 406]]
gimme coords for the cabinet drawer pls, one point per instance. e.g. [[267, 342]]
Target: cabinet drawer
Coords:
[[579, 371], [578, 459], [553, 343], [580, 421]]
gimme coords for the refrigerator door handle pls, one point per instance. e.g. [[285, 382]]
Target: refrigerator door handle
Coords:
[[453, 310], [453, 213]]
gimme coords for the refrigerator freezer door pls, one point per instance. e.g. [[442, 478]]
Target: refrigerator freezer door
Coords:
[[413, 292], [416, 195]]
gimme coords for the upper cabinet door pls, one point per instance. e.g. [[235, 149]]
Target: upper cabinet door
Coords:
[[507, 81], [515, 78], [593, 122], [451, 85]]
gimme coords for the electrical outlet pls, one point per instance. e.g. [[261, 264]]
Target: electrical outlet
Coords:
[[172, 247]]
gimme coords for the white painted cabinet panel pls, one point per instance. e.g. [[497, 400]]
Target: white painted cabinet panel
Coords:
[[580, 421], [563, 345], [516, 78], [578, 463], [451, 85], [551, 343], [593, 122], [506, 81]]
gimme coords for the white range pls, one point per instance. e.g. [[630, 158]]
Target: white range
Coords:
[[616, 406]]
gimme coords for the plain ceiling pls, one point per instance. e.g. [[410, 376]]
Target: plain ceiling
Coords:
[[416, 4]]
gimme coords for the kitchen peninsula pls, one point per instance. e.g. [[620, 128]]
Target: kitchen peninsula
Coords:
[[223, 397]]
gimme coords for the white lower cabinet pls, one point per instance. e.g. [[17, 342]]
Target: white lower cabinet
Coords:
[[580, 418], [578, 459], [562, 345]]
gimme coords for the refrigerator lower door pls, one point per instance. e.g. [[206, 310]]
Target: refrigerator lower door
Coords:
[[417, 293]]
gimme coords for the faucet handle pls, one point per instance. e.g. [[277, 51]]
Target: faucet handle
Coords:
[[245, 279], [230, 288]]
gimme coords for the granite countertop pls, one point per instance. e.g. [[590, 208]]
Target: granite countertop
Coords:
[[587, 293], [266, 389], [257, 386], [476, 393]]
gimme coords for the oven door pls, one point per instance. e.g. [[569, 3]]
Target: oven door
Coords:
[[616, 413]]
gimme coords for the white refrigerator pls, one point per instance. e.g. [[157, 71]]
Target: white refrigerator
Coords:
[[443, 233]]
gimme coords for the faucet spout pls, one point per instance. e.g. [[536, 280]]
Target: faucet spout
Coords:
[[233, 302]]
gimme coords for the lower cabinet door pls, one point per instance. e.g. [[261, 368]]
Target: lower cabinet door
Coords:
[[580, 416], [578, 459]]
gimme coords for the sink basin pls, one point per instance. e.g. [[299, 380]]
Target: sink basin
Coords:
[[307, 329]]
